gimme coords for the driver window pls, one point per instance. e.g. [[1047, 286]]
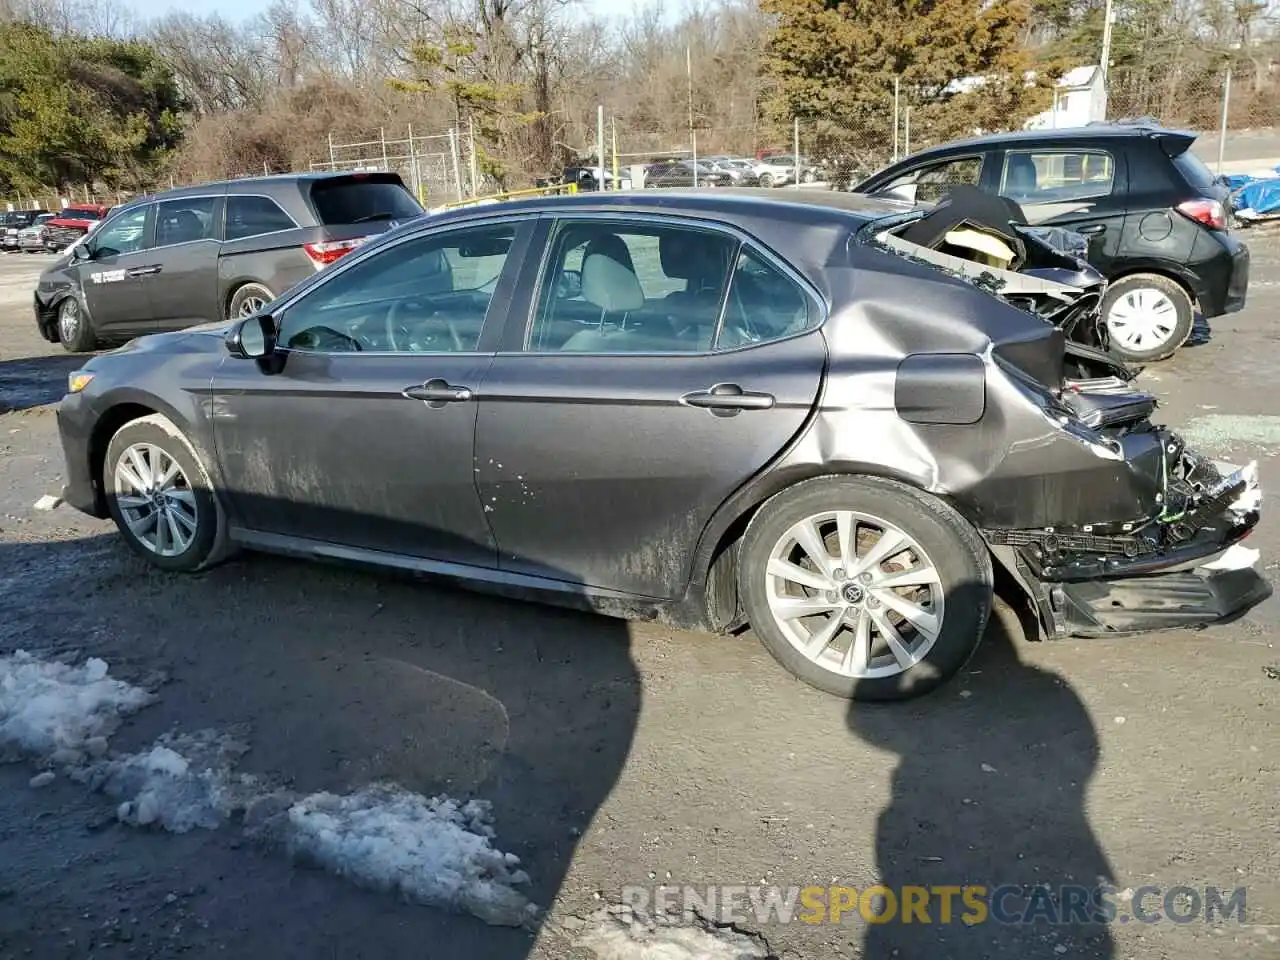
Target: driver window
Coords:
[[428, 295], [127, 233]]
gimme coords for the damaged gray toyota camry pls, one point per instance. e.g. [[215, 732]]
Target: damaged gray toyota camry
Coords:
[[835, 420]]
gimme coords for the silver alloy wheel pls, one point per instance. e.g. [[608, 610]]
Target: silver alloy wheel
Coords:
[[156, 500], [855, 594], [1142, 319], [251, 305], [69, 319]]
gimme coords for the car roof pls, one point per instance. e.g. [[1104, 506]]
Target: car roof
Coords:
[[264, 184], [727, 203], [1096, 131]]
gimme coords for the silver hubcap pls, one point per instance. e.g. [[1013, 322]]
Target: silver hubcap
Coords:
[[155, 500], [855, 594], [251, 305], [68, 320], [1142, 319]]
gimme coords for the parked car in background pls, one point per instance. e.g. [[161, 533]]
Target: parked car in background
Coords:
[[72, 223], [210, 252], [1156, 217], [810, 172], [30, 239], [586, 177], [772, 172], [685, 173], [712, 407], [741, 171], [13, 222]]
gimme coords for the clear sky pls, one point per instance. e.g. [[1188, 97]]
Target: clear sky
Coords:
[[242, 9]]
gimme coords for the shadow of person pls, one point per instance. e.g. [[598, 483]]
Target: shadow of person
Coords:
[[989, 791], [343, 678]]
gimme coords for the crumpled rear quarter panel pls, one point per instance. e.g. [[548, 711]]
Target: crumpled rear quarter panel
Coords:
[[1014, 467]]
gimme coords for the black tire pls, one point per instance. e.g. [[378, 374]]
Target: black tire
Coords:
[[766, 180], [208, 541], [73, 328], [956, 551], [1180, 329], [247, 294]]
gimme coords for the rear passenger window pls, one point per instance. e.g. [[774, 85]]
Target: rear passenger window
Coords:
[[615, 287], [252, 216], [764, 304], [1050, 176], [184, 220]]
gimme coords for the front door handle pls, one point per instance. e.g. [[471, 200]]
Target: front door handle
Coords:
[[1093, 229], [727, 399], [437, 392], [143, 271]]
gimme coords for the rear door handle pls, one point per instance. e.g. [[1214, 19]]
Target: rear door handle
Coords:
[[143, 271], [729, 398], [1093, 229], [437, 392]]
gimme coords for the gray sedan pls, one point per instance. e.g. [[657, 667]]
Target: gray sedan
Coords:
[[715, 408]]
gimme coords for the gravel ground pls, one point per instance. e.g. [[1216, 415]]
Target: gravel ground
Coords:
[[619, 754]]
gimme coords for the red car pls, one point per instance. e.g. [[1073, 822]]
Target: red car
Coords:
[[72, 223]]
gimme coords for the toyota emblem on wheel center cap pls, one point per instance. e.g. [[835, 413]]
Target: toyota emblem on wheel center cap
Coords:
[[852, 593]]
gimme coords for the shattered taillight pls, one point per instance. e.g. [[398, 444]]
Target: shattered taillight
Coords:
[[1211, 213], [323, 254]]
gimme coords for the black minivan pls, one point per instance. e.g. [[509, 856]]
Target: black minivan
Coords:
[[210, 252], [1156, 217]]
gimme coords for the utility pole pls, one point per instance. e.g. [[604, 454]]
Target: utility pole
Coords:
[[895, 118], [1107, 16], [600, 146], [693, 137], [613, 123]]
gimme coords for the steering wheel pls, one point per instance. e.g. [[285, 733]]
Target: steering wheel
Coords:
[[393, 324]]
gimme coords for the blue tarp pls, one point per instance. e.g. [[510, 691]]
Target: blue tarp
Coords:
[[1260, 196]]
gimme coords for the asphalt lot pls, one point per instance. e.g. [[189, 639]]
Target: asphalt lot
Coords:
[[618, 754]]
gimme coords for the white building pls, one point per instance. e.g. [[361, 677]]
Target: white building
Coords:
[[1080, 97]]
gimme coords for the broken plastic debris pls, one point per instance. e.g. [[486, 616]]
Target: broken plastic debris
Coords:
[[48, 502], [1236, 557], [43, 779]]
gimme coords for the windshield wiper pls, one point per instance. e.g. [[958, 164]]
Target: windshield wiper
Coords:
[[374, 216]]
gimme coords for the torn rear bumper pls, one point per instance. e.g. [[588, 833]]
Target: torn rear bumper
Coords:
[[1188, 569], [1218, 591]]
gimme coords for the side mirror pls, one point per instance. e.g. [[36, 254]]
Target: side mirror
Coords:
[[81, 251], [252, 338]]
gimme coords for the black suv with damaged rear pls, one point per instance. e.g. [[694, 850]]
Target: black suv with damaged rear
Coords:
[[1156, 218], [715, 408], [211, 252]]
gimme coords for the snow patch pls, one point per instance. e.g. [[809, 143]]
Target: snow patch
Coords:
[[618, 933], [433, 851], [184, 781], [59, 712]]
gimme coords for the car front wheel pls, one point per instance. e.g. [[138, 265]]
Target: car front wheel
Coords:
[[1148, 317], [74, 331], [160, 496], [766, 180], [865, 588]]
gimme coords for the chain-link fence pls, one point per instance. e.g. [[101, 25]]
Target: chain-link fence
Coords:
[[438, 168]]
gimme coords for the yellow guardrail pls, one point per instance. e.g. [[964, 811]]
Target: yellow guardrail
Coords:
[[515, 195]]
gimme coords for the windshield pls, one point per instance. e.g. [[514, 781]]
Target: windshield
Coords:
[[362, 200], [1194, 170], [70, 214]]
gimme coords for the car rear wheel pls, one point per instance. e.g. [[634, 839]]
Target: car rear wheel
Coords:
[[74, 332], [248, 300], [766, 179], [808, 177], [1148, 317], [160, 497], [865, 588]]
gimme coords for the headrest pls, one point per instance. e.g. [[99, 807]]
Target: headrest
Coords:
[[609, 285]]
